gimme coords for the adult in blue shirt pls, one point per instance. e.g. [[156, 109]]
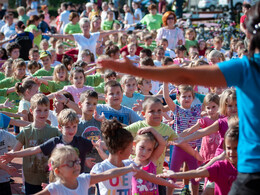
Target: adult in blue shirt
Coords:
[[244, 75]]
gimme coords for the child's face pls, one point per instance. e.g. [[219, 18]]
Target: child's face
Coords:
[[112, 78], [231, 150], [144, 149], [231, 107], [211, 109], [86, 58], [45, 46], [34, 90], [202, 45], [146, 86], [58, 106], [60, 50], [191, 35], [69, 130], [78, 80], [149, 41], [142, 55], [35, 56], [153, 114], [61, 75], [46, 61], [40, 113], [15, 53], [8, 70], [21, 13], [132, 50], [214, 60], [186, 99], [33, 69], [160, 54], [89, 105], [217, 44], [114, 96], [164, 44], [20, 72], [180, 54], [123, 39], [130, 86]]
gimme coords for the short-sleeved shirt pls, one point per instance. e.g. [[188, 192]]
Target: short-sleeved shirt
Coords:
[[83, 145], [23, 18], [58, 188], [129, 102], [43, 72], [244, 75], [36, 39], [118, 185], [76, 92], [72, 28], [64, 18], [153, 22], [85, 43], [223, 127], [35, 167], [123, 115], [164, 130], [53, 86], [4, 121], [223, 173]]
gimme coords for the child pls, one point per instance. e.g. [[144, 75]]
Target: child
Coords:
[[217, 42], [33, 66], [65, 173], [34, 167], [13, 50], [185, 115], [149, 145], [130, 97], [44, 45], [180, 55], [34, 54], [21, 14], [145, 53], [202, 47], [224, 172], [214, 57], [190, 39], [54, 61], [144, 86], [26, 89], [132, 50], [148, 39], [47, 70], [87, 56], [113, 107], [119, 143], [59, 51], [152, 111], [122, 40], [113, 51], [167, 52], [159, 55], [8, 68]]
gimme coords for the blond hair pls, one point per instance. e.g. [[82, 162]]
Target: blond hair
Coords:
[[184, 88], [39, 99], [67, 116], [125, 78], [57, 69], [225, 96]]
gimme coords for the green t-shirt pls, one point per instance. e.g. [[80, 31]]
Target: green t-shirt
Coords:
[[43, 72], [152, 22], [35, 167], [72, 28], [2, 76], [93, 80], [151, 47], [53, 86], [166, 131], [23, 18], [189, 43], [36, 39], [108, 25]]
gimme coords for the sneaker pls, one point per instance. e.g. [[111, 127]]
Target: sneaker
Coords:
[[185, 191]]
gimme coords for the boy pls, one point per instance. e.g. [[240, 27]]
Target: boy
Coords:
[[68, 123], [168, 52], [113, 108], [108, 76], [47, 70], [217, 42], [13, 50], [148, 39], [34, 167], [21, 14], [144, 86], [34, 54]]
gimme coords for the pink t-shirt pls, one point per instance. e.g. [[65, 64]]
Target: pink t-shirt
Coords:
[[223, 173], [76, 92], [209, 143], [142, 187], [223, 127]]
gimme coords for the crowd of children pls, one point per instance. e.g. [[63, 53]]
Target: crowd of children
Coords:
[[78, 125]]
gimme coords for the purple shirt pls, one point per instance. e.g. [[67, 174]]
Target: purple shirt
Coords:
[[223, 127]]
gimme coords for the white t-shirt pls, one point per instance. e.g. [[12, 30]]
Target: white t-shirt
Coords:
[[24, 105], [118, 185], [64, 18], [85, 43], [169, 53], [138, 12], [53, 118], [157, 63], [57, 188], [130, 20]]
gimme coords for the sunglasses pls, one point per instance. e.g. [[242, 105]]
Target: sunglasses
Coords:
[[71, 163], [170, 18]]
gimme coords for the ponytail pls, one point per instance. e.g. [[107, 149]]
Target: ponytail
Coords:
[[20, 88]]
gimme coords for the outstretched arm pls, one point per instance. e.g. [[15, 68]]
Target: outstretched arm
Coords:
[[202, 75], [190, 130], [167, 98]]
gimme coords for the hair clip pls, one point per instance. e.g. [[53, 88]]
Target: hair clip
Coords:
[[50, 167]]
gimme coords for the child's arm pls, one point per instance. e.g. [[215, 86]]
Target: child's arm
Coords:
[[222, 156], [7, 104], [185, 175], [9, 169], [200, 133], [10, 90], [167, 98], [190, 130], [19, 123], [66, 101], [90, 71], [161, 142], [100, 146], [187, 148], [8, 157]]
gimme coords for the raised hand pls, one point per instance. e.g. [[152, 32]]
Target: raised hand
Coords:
[[7, 157], [176, 142], [138, 106], [8, 104], [99, 117]]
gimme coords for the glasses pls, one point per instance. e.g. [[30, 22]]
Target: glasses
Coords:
[[71, 163], [170, 18]]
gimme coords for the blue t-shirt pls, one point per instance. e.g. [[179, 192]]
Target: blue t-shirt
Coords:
[[4, 121], [129, 102], [243, 75]]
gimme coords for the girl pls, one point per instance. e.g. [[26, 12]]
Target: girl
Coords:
[[65, 177], [129, 86], [129, 18], [44, 45], [119, 143], [60, 79], [26, 90], [132, 53], [144, 86], [159, 56], [149, 145], [122, 41], [131, 39], [180, 55], [33, 66], [138, 12], [113, 51], [77, 79], [32, 24], [224, 172], [190, 40], [214, 57], [202, 47], [185, 115]]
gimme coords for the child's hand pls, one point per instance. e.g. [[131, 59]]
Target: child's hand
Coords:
[[99, 145], [90, 162], [99, 117], [176, 142], [174, 185], [44, 185], [7, 157], [11, 170], [8, 104], [145, 130], [166, 174], [60, 98], [138, 106]]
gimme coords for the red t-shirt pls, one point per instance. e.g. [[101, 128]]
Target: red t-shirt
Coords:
[[124, 49]]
